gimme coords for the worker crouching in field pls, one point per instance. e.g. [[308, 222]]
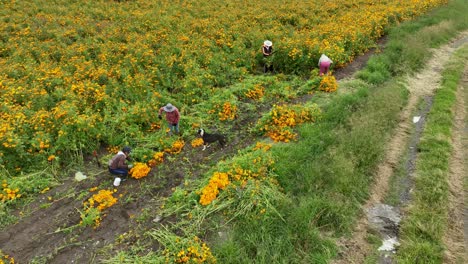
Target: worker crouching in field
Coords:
[[118, 164], [324, 64]]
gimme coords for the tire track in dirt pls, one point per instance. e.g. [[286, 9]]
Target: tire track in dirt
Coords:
[[454, 238], [356, 248]]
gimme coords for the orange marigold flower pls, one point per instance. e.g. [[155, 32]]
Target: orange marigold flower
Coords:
[[140, 170], [197, 142]]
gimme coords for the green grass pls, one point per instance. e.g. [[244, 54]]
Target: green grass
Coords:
[[327, 173], [424, 226], [408, 46]]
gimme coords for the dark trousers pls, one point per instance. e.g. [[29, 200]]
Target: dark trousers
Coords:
[[119, 172], [267, 64]]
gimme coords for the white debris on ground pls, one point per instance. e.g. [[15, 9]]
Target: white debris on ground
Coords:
[[389, 244], [79, 176]]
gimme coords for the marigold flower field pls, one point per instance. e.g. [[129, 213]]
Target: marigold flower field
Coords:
[[81, 76], [73, 77]]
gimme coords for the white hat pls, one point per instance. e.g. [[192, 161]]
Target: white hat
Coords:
[[268, 43], [169, 108]]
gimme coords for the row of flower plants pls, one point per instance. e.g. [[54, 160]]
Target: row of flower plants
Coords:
[[107, 87], [247, 174], [238, 187], [273, 125], [72, 79]]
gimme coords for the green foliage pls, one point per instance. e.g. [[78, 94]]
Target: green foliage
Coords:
[[89, 216], [376, 71], [141, 154], [420, 251]]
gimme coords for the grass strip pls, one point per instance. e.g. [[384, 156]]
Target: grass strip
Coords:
[[423, 228]]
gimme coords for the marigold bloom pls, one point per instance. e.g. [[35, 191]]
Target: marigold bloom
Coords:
[[140, 170]]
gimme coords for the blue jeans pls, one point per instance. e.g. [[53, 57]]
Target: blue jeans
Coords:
[[120, 172], [174, 128]]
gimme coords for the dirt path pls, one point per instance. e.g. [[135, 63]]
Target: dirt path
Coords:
[[421, 86], [455, 235]]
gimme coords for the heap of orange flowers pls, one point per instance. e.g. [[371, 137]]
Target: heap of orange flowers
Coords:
[[219, 180], [281, 135], [176, 147], [139, 170], [283, 117], [197, 142], [328, 84]]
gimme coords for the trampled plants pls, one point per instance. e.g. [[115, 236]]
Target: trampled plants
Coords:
[[92, 208]]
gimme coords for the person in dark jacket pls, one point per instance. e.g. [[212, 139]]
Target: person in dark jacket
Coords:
[[267, 50], [118, 164], [172, 117]]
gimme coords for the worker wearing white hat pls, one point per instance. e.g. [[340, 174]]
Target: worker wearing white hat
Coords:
[[267, 50]]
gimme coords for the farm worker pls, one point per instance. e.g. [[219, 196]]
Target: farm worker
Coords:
[[118, 164], [267, 50], [172, 117], [324, 64]]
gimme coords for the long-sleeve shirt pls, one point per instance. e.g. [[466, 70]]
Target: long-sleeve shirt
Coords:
[[171, 117], [118, 161]]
